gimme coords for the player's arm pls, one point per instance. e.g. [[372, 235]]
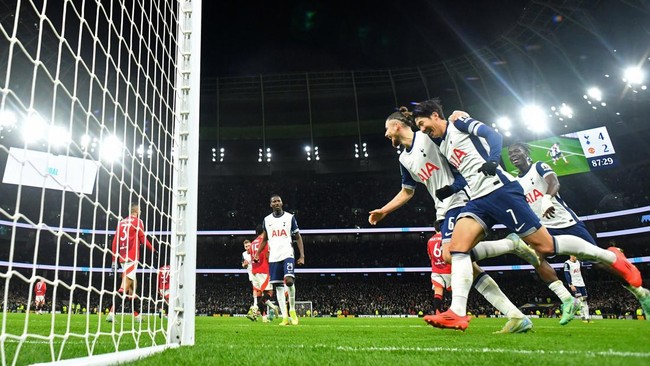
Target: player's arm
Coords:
[[544, 170], [143, 238], [493, 138], [114, 246], [263, 244], [567, 276], [458, 184], [400, 199], [301, 249], [244, 262]]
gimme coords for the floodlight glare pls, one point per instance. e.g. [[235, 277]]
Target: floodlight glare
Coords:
[[34, 128], [110, 149], [84, 141], [534, 118], [633, 75], [595, 93], [307, 148], [504, 123], [566, 110], [8, 119], [58, 136]]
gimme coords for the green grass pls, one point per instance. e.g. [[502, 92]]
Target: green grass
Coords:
[[383, 341], [538, 152]]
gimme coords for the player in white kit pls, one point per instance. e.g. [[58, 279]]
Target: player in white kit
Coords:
[[279, 227], [474, 149], [573, 276], [422, 162], [246, 262], [541, 188]]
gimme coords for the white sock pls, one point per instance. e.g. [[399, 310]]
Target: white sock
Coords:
[[255, 301], [584, 309], [282, 300], [292, 297], [461, 282], [492, 248], [558, 288], [487, 287], [573, 245], [269, 303]]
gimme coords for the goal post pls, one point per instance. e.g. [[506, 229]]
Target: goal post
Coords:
[[99, 110]]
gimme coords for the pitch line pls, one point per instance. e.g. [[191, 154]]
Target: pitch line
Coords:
[[608, 353]]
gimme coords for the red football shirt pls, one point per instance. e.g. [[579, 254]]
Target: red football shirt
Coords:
[[129, 235], [434, 249], [163, 278], [40, 288], [261, 266]]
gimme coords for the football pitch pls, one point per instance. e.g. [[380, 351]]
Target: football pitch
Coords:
[[360, 341]]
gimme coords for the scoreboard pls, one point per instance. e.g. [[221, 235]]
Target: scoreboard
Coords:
[[598, 148]]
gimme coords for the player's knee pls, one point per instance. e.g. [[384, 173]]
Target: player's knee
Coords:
[[289, 281]]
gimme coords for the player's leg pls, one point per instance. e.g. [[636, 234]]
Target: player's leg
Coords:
[[276, 272], [438, 292], [486, 286], [290, 283], [512, 244], [466, 235]]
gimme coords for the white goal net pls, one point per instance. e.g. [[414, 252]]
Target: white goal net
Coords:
[[99, 112]]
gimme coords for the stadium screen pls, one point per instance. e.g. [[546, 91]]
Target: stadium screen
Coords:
[[571, 153]]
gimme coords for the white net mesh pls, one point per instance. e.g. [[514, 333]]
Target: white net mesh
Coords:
[[86, 128]]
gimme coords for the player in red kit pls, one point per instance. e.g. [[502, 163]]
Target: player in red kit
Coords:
[[440, 271], [128, 238], [262, 288], [39, 290], [163, 286]]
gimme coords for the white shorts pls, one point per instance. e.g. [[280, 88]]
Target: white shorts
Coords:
[[40, 300], [261, 282], [441, 280], [129, 269]]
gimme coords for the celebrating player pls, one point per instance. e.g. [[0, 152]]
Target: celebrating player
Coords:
[[541, 187], [262, 287], [279, 226], [128, 238], [39, 291], [573, 276], [474, 149], [421, 161]]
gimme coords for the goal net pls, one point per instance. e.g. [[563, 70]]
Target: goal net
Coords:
[[304, 309], [99, 111]]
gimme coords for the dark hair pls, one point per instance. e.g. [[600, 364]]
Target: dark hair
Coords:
[[426, 108], [524, 146], [274, 195], [403, 115]]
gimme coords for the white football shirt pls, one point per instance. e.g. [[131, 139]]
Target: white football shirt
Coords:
[[423, 163], [574, 271], [278, 233], [467, 152], [535, 187]]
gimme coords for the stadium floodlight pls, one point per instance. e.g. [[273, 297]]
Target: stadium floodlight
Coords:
[[111, 149], [308, 148], [534, 118], [566, 110], [595, 93], [34, 128], [504, 123], [8, 119], [58, 136], [84, 141], [633, 75]]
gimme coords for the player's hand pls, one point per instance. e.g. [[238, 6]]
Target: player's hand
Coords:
[[458, 115], [573, 288], [376, 216], [548, 211], [444, 192], [245, 263], [301, 261], [489, 168]]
